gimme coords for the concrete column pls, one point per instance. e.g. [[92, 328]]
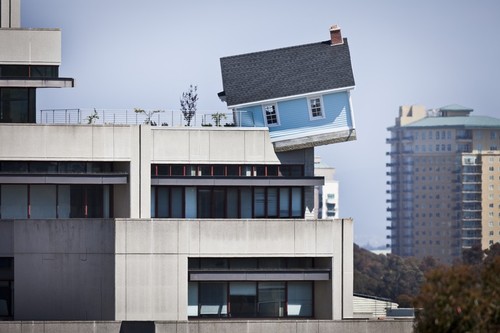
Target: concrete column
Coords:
[[10, 13], [135, 173], [146, 150]]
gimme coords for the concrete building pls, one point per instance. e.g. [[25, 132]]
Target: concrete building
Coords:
[[444, 183], [146, 223], [372, 307], [326, 196]]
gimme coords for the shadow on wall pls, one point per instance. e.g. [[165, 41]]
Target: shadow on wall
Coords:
[[137, 327]]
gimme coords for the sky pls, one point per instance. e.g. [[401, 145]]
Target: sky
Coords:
[[130, 53]]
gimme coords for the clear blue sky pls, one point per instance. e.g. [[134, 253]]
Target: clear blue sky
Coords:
[[126, 54]]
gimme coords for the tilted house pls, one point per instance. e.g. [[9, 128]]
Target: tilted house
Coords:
[[301, 93]]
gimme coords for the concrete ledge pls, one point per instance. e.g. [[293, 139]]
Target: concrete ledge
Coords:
[[219, 326]]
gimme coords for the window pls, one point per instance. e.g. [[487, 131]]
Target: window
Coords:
[[264, 299], [271, 114], [315, 108], [6, 288], [17, 105], [40, 201], [224, 202]]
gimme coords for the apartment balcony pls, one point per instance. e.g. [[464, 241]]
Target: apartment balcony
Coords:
[[469, 169]]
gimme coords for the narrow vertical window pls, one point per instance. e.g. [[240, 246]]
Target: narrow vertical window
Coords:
[[271, 115], [259, 202], [246, 202], [272, 202], [272, 301]]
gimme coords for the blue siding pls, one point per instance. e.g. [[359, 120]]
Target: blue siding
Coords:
[[294, 114], [250, 117], [337, 109]]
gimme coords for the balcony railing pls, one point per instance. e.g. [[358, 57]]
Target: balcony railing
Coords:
[[136, 117]]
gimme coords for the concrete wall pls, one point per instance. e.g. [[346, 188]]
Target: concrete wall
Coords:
[[34, 46], [82, 143], [151, 259], [216, 145], [67, 143], [257, 326], [63, 269], [137, 269]]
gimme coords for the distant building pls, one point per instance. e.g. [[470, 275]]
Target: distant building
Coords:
[[326, 196], [365, 306], [153, 223], [444, 182]]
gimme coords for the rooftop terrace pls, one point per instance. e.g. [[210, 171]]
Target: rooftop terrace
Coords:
[[134, 117]]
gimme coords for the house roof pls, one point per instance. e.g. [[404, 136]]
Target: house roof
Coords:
[[286, 72], [470, 121], [455, 107]]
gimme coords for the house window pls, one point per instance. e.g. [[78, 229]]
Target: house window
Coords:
[[271, 115], [315, 108]]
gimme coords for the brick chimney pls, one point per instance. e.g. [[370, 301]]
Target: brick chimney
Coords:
[[335, 35]]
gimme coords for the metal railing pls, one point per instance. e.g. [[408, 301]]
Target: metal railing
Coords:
[[137, 117]]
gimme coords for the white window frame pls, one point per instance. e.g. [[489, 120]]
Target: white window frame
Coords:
[[275, 105], [322, 108]]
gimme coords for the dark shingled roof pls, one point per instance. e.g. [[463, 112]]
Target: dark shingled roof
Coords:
[[286, 72]]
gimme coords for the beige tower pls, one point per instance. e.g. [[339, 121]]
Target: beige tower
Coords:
[[444, 182]]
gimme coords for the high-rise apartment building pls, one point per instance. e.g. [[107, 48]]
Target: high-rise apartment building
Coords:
[[444, 182], [134, 222]]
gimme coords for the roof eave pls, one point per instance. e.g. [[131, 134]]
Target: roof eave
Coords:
[[285, 98]]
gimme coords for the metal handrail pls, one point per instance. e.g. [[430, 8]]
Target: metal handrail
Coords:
[[174, 118]]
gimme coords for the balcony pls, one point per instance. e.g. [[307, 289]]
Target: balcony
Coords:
[[30, 46], [407, 138]]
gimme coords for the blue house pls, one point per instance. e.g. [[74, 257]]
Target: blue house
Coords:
[[301, 93]]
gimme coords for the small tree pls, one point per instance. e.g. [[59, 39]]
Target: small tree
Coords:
[[217, 117], [148, 115], [188, 104], [92, 118]]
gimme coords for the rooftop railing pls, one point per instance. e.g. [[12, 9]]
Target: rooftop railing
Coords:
[[137, 117]]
